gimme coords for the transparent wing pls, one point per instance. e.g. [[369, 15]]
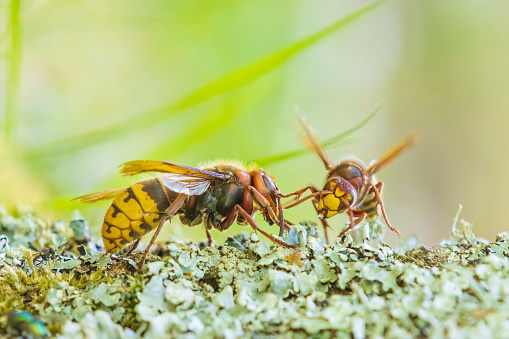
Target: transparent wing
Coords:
[[314, 142], [185, 184], [340, 139], [392, 154], [98, 196], [140, 166]]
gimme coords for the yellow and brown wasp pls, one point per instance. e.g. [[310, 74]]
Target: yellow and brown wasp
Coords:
[[350, 185], [214, 195]]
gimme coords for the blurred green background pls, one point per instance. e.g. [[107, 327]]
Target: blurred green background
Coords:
[[87, 85]]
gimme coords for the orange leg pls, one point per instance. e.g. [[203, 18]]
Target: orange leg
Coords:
[[168, 214], [280, 212], [209, 238], [253, 224], [266, 206], [283, 223], [377, 189], [352, 214], [299, 192], [314, 193]]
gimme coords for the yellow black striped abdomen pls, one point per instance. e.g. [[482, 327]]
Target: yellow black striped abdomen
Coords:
[[134, 213], [369, 206]]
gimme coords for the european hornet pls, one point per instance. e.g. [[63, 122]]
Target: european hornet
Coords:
[[350, 185], [215, 196]]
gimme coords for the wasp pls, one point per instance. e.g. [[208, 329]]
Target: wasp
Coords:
[[214, 196], [350, 185]]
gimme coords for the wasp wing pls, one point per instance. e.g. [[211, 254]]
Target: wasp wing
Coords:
[[340, 139], [314, 142], [98, 196], [140, 166], [392, 154], [185, 184]]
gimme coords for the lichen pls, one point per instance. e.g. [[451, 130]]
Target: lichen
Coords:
[[249, 287]]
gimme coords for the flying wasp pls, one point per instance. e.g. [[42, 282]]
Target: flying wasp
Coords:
[[350, 185], [215, 196]]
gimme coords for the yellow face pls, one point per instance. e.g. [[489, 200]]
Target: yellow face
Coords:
[[331, 204]]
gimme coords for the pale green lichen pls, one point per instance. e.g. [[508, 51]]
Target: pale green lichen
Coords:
[[254, 288]]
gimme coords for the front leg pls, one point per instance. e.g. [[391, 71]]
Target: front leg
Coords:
[[265, 206], [352, 214], [312, 195], [253, 224], [300, 191]]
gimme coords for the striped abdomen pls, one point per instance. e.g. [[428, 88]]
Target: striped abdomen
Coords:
[[135, 212], [367, 200], [369, 205]]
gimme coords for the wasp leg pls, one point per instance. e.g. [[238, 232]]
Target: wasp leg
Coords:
[[135, 245], [265, 205], [301, 191], [325, 224], [253, 224], [312, 195], [209, 238], [168, 214], [352, 214], [377, 189], [282, 223], [228, 221]]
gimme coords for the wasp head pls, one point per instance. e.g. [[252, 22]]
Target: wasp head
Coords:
[[339, 193]]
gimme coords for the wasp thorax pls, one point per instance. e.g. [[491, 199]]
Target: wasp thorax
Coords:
[[333, 202]]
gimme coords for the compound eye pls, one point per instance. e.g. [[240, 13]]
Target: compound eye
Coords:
[[347, 191], [342, 189], [269, 183], [271, 186]]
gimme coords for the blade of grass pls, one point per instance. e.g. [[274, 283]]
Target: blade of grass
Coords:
[[295, 153], [262, 67], [220, 119], [13, 70], [227, 83], [201, 129], [339, 137], [335, 141]]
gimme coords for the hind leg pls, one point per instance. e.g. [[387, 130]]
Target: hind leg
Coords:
[[377, 189], [135, 245], [168, 214], [210, 241]]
